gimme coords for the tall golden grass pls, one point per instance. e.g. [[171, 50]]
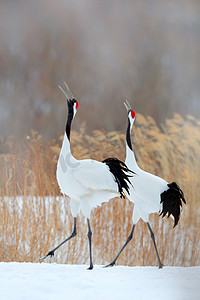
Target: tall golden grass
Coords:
[[34, 217]]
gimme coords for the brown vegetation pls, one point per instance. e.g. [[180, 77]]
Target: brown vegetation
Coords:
[[34, 217]]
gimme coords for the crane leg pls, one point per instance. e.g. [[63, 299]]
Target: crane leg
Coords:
[[90, 244], [128, 240], [51, 253], [154, 242]]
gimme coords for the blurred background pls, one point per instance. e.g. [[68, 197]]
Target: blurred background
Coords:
[[107, 51], [146, 51]]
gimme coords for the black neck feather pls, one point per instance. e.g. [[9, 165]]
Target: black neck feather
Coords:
[[128, 135], [69, 121]]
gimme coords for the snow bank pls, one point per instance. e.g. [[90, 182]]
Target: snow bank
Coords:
[[55, 281]]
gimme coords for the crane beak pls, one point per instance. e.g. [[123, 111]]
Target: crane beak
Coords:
[[67, 94], [127, 105]]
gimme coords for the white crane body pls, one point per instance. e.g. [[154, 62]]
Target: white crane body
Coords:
[[87, 182], [147, 190]]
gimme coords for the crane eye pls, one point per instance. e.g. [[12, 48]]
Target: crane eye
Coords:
[[133, 114]]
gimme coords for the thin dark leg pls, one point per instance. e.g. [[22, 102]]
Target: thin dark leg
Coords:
[[51, 253], [128, 240], [154, 242], [90, 244]]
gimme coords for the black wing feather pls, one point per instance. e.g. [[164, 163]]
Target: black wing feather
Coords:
[[121, 173], [172, 202]]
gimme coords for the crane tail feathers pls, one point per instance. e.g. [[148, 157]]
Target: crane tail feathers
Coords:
[[121, 174], [172, 202]]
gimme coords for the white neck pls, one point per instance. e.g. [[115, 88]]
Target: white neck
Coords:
[[65, 153], [130, 159], [66, 145]]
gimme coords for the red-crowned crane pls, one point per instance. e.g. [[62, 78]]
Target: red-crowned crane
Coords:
[[149, 193], [87, 182]]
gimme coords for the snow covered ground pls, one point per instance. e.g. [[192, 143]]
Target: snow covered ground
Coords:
[[56, 281]]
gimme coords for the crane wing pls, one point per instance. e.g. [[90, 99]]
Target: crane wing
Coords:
[[94, 175]]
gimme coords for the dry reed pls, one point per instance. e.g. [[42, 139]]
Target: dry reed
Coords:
[[34, 217]]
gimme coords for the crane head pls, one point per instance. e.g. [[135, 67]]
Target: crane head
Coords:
[[131, 112], [73, 104]]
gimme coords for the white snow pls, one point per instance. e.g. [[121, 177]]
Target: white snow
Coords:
[[55, 281]]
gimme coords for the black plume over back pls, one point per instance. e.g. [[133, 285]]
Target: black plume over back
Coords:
[[172, 201], [120, 172]]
